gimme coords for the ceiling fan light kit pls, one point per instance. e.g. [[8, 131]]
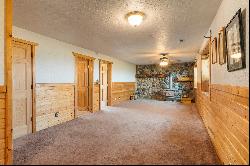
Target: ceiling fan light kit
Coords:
[[164, 61]]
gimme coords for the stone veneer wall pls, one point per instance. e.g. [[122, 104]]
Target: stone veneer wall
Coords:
[[153, 79]]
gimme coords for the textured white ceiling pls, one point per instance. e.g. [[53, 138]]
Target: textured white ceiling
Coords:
[[100, 25]]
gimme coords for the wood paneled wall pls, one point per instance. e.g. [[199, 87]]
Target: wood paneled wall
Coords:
[[2, 124], [121, 91], [52, 99], [226, 118]]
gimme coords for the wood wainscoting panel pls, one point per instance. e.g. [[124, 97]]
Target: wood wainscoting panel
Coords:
[[226, 118], [96, 98], [54, 104], [121, 91], [2, 124]]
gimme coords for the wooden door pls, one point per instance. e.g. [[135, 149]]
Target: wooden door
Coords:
[[82, 86], [84, 83], [104, 85], [22, 89], [109, 70]]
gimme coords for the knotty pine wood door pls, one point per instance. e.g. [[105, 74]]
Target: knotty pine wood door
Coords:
[[84, 84], [22, 89], [104, 85]]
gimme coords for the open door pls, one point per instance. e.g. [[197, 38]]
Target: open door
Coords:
[[84, 84], [104, 85], [105, 77]]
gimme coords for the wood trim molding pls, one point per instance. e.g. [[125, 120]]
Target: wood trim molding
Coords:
[[33, 56], [100, 86], [24, 41], [91, 85], [105, 61], [210, 66], [83, 56], [3, 89], [75, 89], [8, 82]]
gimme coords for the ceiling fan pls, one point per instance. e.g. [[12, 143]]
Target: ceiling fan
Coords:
[[173, 57], [168, 53], [165, 59]]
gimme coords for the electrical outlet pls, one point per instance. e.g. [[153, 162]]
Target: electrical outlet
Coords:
[[56, 114]]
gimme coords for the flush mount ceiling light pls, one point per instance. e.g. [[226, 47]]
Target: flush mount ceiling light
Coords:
[[135, 18]]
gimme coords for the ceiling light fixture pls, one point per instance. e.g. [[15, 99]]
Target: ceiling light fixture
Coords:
[[135, 18], [164, 61]]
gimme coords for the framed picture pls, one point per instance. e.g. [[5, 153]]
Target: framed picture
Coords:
[[235, 44], [214, 50], [221, 46]]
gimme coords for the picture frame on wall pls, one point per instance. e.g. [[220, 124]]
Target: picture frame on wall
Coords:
[[214, 50], [235, 43], [221, 46]]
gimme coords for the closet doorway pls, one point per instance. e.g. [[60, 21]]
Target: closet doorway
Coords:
[[105, 77], [83, 84]]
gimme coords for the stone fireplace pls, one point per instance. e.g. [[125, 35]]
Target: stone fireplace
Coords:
[[164, 83]]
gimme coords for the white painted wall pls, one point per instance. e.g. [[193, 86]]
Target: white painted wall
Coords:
[[1, 42], [219, 73], [55, 61]]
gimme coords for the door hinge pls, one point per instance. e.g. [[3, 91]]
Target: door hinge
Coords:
[[31, 86], [31, 119]]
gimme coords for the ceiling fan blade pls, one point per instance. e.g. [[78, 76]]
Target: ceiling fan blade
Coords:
[[165, 53], [145, 53], [174, 60], [184, 52]]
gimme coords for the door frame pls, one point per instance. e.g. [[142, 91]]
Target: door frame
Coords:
[[33, 75], [109, 82], [90, 80], [8, 80]]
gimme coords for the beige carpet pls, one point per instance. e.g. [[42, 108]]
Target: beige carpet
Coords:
[[134, 132]]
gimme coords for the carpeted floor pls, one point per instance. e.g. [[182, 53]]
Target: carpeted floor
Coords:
[[134, 132]]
